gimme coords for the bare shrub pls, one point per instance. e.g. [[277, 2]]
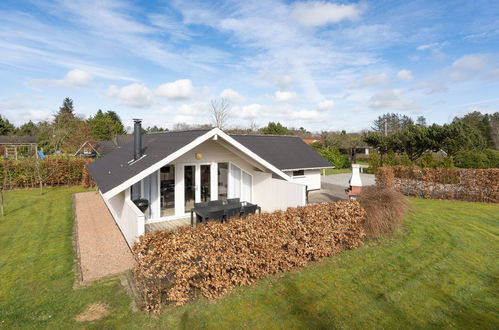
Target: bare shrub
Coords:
[[175, 267], [385, 208]]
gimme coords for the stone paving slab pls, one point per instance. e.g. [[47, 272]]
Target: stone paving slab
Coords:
[[102, 248]]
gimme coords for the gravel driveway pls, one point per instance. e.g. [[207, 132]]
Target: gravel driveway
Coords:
[[333, 187], [343, 178]]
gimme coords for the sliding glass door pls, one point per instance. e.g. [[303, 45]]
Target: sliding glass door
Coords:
[[167, 190], [205, 183]]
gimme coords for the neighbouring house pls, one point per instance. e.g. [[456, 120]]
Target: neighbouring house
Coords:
[[310, 140], [101, 147], [173, 170], [13, 146]]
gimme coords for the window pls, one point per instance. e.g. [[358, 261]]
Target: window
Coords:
[[299, 173], [135, 191], [167, 190], [223, 180], [240, 184]]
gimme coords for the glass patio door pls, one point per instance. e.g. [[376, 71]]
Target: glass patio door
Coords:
[[189, 187], [205, 183]]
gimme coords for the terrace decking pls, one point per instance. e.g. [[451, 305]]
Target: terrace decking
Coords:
[[167, 225]]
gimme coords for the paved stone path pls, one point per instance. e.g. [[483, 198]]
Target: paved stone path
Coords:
[[102, 249]]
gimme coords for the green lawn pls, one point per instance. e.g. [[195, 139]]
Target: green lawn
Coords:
[[441, 271], [329, 171]]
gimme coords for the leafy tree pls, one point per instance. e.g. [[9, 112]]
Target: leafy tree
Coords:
[[391, 159], [6, 128], [64, 125], [28, 129], [335, 157], [447, 162], [413, 140], [82, 134], [494, 129], [156, 129], [459, 136], [480, 122], [421, 121], [275, 129], [374, 160], [471, 159], [391, 122], [427, 160], [105, 125], [405, 160]]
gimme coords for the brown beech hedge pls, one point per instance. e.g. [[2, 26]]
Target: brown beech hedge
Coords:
[[473, 185], [175, 267]]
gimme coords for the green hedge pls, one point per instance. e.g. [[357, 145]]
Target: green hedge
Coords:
[[52, 171]]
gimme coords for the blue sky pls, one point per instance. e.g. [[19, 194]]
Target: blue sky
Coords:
[[317, 64]]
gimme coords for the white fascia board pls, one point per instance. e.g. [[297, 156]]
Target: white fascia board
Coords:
[[208, 135], [307, 168], [251, 154], [165, 161]]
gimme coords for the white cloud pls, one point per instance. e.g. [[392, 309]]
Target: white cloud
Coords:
[[37, 115], [325, 105], [284, 82], [469, 66], [434, 48], [78, 77], [251, 111], [232, 95], [283, 96], [316, 13], [405, 75], [432, 87], [134, 95], [307, 115], [74, 78], [392, 100], [178, 90], [379, 79]]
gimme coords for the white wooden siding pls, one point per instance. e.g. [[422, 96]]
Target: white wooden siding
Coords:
[[127, 216], [311, 178], [276, 194]]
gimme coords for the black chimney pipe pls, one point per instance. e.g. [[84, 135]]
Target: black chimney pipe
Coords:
[[137, 139]]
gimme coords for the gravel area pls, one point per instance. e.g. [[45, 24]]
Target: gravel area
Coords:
[[343, 178], [102, 249], [333, 187]]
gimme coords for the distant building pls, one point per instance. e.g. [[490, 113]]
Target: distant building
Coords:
[[12, 146], [101, 147]]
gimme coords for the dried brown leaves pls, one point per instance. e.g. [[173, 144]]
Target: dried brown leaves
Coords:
[[210, 260]]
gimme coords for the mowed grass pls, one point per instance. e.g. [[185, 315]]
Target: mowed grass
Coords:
[[441, 270]]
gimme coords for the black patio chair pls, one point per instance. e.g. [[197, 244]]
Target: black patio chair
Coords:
[[233, 201], [216, 216], [215, 203], [231, 213], [248, 209], [201, 204]]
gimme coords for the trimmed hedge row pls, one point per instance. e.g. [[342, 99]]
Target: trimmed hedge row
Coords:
[[52, 171], [175, 267], [473, 185]]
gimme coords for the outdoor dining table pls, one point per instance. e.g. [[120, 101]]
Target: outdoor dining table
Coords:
[[205, 212]]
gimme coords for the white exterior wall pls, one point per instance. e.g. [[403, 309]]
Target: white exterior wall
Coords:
[[127, 216], [312, 179], [276, 194]]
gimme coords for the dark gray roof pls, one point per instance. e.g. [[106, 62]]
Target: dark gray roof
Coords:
[[283, 151], [15, 139], [105, 146], [112, 169]]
